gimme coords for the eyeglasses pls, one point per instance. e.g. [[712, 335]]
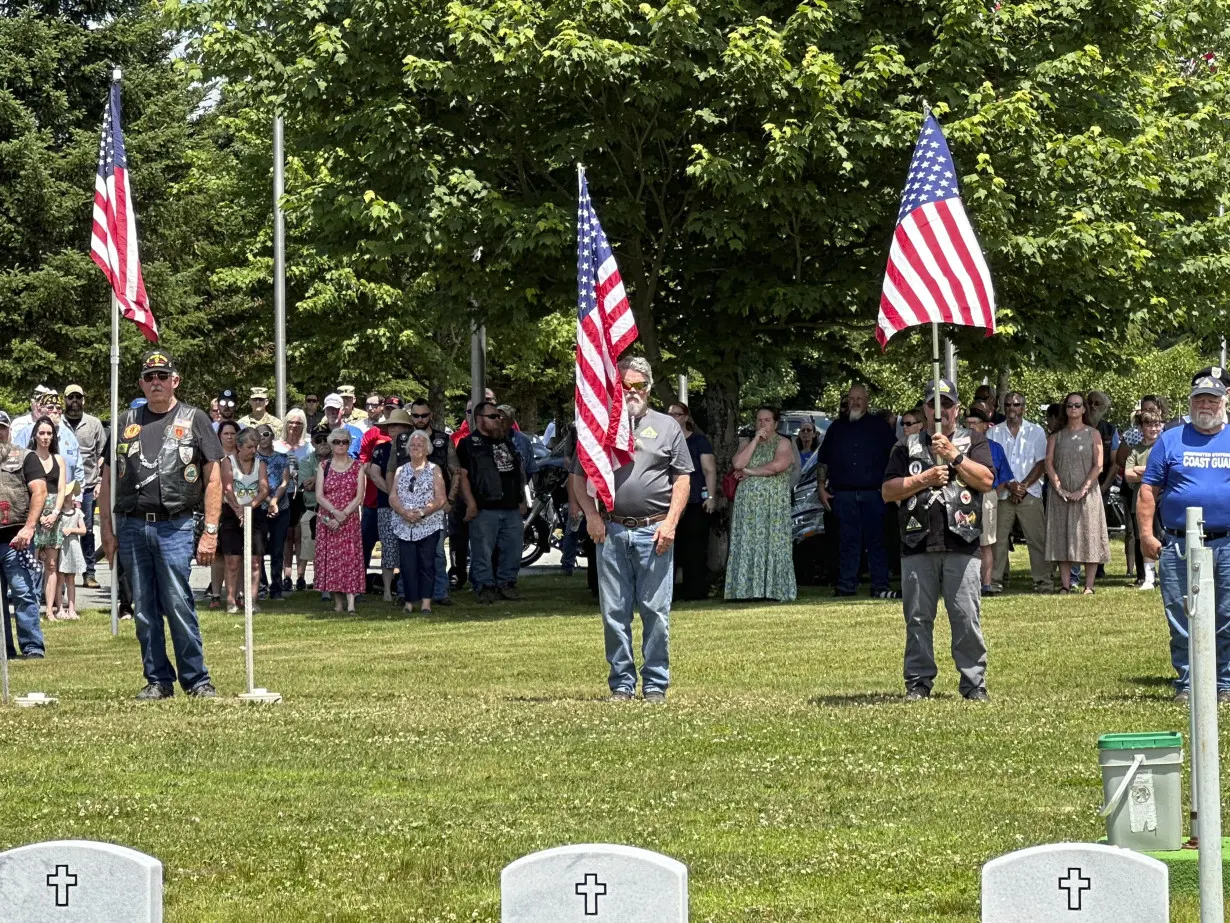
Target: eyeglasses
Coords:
[[161, 376], [311, 400], [491, 416], [371, 406], [421, 416], [340, 441], [1015, 404], [637, 386], [680, 413], [1075, 406]]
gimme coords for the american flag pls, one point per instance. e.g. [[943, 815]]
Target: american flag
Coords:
[[605, 328], [113, 241], [936, 273]]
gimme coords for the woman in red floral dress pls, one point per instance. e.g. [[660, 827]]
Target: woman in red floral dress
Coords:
[[339, 542]]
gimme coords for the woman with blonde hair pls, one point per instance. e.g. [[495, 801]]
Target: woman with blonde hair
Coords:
[[297, 447]]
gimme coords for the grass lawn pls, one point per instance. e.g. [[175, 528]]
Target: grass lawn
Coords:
[[413, 758]]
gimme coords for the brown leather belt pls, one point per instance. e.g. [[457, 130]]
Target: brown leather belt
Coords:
[[630, 522]]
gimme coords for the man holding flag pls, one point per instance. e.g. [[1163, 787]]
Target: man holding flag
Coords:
[[937, 274], [634, 461]]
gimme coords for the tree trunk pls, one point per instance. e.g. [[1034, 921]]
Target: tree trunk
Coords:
[[722, 409], [435, 397], [1001, 387]]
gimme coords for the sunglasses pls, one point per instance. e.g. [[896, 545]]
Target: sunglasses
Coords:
[[903, 423], [637, 386], [490, 416], [1075, 406], [340, 441], [421, 416], [372, 406], [161, 376], [1015, 404], [311, 400], [226, 403]]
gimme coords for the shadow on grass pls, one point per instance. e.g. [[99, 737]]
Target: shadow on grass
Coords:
[[1156, 682], [385, 612], [857, 699]]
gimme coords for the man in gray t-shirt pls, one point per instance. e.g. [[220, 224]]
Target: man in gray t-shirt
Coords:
[[635, 541]]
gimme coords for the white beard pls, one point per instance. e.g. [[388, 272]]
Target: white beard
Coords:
[[856, 415], [635, 404], [1207, 420]]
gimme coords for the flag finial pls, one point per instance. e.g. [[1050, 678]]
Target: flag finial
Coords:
[[115, 75]]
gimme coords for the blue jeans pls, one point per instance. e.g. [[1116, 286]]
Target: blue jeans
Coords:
[[158, 558], [276, 528], [370, 525], [569, 547], [21, 585], [860, 519], [418, 567], [493, 530], [1172, 573], [632, 574], [440, 590], [87, 540]]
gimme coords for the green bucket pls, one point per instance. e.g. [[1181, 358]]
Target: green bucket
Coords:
[[1142, 783]]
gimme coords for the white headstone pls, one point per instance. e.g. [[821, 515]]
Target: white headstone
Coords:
[[594, 884], [77, 881], [1075, 883]]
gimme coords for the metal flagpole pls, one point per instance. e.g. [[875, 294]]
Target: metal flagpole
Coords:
[[950, 360], [254, 693], [935, 371], [115, 422], [279, 270], [1202, 635]]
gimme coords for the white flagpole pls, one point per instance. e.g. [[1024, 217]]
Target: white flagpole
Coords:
[[248, 589], [115, 422]]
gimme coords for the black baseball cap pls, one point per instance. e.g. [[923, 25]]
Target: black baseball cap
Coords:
[[948, 391], [1213, 371], [157, 360], [228, 394]]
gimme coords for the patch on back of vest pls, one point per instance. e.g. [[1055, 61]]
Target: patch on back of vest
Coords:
[[191, 473]]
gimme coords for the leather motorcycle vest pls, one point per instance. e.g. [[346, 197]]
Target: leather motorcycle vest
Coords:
[[439, 457], [14, 492], [962, 505], [177, 468]]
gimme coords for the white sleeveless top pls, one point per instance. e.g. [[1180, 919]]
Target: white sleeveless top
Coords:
[[246, 485]]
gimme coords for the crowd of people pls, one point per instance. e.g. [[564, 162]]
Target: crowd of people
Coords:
[[937, 508]]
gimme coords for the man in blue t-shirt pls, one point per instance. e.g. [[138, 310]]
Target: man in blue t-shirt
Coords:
[[1190, 466]]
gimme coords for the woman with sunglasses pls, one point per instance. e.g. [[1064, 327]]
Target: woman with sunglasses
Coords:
[[297, 449], [808, 440], [912, 421], [340, 485], [49, 534], [1075, 519]]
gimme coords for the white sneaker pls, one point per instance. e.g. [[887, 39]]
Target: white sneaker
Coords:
[[1147, 585]]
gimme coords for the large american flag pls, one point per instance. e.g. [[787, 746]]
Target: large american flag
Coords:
[[936, 272], [605, 328], [113, 241]]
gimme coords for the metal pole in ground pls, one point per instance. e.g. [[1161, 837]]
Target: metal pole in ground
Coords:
[[250, 663], [1189, 606], [1202, 650]]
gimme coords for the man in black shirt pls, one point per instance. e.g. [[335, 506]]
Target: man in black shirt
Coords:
[[166, 457], [23, 490], [938, 480], [494, 490]]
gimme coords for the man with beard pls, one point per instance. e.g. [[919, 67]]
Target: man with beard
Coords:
[[444, 456], [494, 489], [853, 456], [1190, 466], [1024, 443], [23, 490], [635, 542], [92, 438], [228, 400], [166, 464]]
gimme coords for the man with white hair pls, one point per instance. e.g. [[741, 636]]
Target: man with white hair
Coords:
[[1190, 466], [853, 456], [635, 541]]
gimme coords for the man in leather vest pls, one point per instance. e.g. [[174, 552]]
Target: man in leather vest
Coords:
[[937, 480], [443, 456], [166, 457], [23, 491]]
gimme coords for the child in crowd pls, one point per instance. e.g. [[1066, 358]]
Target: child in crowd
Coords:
[[72, 560]]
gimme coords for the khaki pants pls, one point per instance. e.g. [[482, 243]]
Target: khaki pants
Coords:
[[1032, 516]]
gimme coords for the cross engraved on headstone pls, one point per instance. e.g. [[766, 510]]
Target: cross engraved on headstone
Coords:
[[1079, 884], [591, 889], [62, 880]]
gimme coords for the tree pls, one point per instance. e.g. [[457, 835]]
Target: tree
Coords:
[[747, 158]]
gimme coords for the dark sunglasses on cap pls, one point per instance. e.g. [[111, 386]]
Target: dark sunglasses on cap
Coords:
[[150, 376]]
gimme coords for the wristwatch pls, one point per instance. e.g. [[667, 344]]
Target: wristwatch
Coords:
[[956, 462], [211, 528]]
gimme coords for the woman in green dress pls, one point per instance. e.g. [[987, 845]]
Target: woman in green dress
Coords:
[[761, 563]]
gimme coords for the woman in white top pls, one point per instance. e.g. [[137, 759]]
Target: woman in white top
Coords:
[[297, 447], [418, 500], [244, 483]]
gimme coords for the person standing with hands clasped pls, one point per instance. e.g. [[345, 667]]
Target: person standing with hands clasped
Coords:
[[1190, 466], [937, 480], [635, 541], [166, 466]]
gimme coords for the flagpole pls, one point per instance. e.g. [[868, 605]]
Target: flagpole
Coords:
[[935, 371], [279, 270], [115, 420]]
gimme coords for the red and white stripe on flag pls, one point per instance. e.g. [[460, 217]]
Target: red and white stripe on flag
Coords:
[[113, 239], [936, 270], [605, 328]]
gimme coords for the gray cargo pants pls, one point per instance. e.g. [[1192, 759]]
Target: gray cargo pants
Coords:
[[923, 576]]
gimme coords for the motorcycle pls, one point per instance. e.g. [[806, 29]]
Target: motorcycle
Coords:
[[546, 523]]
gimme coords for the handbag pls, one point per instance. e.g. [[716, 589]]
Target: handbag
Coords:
[[730, 484]]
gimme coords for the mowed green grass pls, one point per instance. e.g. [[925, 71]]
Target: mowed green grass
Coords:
[[413, 758]]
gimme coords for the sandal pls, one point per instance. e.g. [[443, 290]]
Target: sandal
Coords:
[[1088, 591]]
